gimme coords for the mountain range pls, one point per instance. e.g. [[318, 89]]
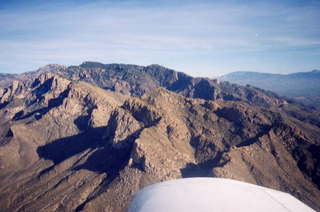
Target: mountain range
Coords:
[[304, 87], [88, 137]]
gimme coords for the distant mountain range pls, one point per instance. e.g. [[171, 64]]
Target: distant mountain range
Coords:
[[88, 137], [302, 86]]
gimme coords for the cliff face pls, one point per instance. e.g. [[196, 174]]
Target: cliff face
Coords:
[[69, 145]]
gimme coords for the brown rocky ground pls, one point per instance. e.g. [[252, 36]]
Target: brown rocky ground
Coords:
[[71, 146]]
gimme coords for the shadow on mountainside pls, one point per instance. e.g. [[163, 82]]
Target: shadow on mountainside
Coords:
[[102, 155], [205, 169], [64, 148]]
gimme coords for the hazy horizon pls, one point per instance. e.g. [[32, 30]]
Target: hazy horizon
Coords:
[[191, 74], [202, 38]]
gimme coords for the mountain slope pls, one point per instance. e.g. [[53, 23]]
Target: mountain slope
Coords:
[[73, 146]]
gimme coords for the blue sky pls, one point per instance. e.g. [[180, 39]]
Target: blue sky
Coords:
[[201, 38]]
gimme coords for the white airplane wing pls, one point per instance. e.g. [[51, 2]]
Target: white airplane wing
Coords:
[[213, 195]]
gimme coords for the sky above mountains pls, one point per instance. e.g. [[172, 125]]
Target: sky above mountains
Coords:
[[201, 38]]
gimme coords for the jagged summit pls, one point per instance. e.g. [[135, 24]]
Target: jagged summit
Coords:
[[157, 66], [50, 67], [91, 63]]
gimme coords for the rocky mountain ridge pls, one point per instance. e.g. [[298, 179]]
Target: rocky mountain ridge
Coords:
[[136, 80], [67, 145]]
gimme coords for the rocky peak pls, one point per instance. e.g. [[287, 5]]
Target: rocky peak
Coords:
[[50, 68], [89, 64], [14, 90]]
